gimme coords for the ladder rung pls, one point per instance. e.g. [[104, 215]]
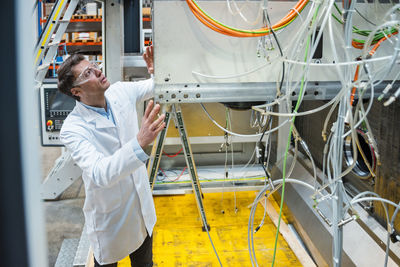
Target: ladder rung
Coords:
[[43, 66], [54, 43], [64, 20]]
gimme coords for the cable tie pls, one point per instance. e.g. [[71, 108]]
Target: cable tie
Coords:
[[363, 85], [298, 13], [317, 1]]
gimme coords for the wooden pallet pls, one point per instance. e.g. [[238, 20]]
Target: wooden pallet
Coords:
[[84, 16], [83, 41]]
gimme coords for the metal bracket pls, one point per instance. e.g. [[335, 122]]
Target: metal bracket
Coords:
[[64, 173]]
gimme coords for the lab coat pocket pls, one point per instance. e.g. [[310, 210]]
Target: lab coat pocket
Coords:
[[107, 199]]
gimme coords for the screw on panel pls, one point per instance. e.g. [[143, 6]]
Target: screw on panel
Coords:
[[185, 96], [173, 96], [160, 96], [198, 95]]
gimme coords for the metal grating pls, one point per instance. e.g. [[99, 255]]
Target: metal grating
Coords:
[[82, 251], [67, 252]]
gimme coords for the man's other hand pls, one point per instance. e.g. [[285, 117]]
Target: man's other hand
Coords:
[[148, 58], [150, 127]]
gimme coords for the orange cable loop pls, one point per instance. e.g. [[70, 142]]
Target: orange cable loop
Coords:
[[254, 33]]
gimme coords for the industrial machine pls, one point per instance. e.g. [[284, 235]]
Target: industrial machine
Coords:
[[226, 52], [297, 87], [55, 108]]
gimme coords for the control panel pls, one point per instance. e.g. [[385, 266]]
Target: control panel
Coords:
[[55, 107]]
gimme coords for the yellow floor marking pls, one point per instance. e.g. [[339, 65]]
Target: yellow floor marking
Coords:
[[179, 241]]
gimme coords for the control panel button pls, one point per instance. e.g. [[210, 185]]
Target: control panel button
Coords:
[[50, 126]]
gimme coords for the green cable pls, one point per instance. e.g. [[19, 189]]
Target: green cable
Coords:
[[240, 30], [227, 122], [288, 142], [379, 35]]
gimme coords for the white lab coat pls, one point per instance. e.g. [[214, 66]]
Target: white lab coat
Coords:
[[119, 207]]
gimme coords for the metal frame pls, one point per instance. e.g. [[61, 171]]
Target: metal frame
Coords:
[[155, 158], [239, 92], [216, 54], [360, 247], [113, 39]]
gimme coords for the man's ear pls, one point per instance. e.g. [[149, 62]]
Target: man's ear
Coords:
[[76, 91]]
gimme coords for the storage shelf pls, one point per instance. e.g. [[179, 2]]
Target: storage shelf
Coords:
[[84, 47], [84, 25]]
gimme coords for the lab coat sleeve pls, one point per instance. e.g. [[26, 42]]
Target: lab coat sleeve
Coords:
[[139, 91], [104, 170]]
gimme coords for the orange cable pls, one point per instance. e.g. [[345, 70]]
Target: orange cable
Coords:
[[206, 23], [254, 33], [371, 53], [353, 92], [376, 46]]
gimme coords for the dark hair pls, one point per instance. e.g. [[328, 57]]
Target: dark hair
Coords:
[[66, 77]]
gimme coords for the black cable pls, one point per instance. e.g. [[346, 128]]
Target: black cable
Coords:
[[365, 18], [279, 46], [280, 85]]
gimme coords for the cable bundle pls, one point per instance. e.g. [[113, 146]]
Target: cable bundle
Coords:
[[217, 26]]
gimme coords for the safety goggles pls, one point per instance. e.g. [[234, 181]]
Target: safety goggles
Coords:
[[86, 74]]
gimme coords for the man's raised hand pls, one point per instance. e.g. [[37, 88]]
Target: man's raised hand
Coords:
[[150, 125]]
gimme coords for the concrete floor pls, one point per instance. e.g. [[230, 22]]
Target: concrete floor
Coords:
[[64, 217]]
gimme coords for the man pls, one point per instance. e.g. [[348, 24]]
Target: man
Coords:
[[105, 141]]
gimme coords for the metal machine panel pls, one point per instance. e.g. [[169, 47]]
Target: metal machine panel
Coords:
[[55, 107], [183, 46]]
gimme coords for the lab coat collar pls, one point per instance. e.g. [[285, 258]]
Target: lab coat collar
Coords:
[[92, 116]]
